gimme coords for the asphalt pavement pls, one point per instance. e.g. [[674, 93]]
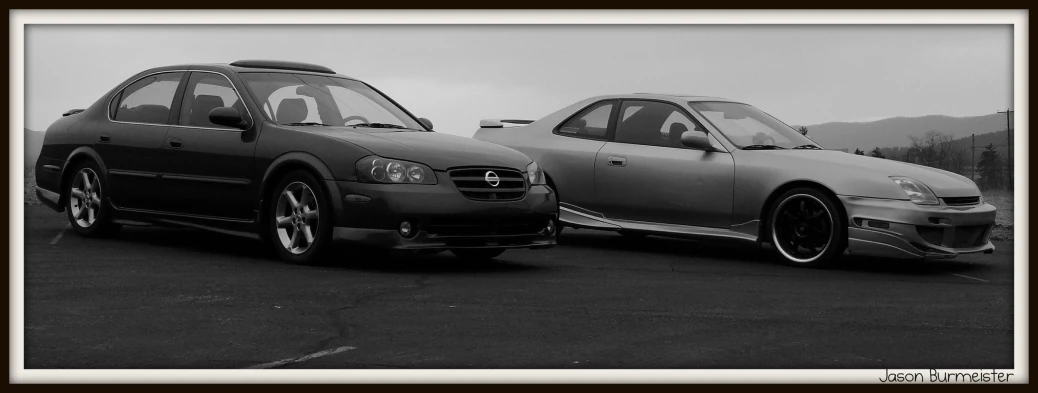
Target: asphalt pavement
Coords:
[[155, 297]]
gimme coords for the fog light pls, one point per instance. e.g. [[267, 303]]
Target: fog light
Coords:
[[551, 227], [406, 229]]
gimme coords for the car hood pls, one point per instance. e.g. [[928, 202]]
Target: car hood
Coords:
[[846, 168], [437, 150]]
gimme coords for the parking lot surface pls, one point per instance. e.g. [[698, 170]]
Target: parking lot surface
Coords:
[[156, 297]]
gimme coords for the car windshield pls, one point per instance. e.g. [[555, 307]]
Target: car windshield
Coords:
[[749, 127], [309, 100]]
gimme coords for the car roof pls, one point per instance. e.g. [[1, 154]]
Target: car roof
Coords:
[[663, 96], [268, 66]]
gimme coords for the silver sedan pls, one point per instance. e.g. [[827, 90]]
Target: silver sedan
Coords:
[[712, 168]]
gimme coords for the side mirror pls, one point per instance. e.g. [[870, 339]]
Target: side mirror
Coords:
[[228, 117], [426, 122], [696, 140]]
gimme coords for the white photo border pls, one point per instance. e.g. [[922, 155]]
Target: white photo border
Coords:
[[20, 18]]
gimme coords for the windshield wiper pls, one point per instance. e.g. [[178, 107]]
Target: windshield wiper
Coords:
[[813, 147], [378, 125], [307, 124], [762, 147]]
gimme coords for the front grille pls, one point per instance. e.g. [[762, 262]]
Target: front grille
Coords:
[[932, 235], [961, 201], [484, 227], [970, 236], [473, 184]]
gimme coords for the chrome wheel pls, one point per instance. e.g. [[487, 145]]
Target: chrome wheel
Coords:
[[296, 217], [84, 197], [802, 228]]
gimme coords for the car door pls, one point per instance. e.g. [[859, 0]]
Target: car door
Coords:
[[206, 166], [131, 141], [570, 160], [645, 174]]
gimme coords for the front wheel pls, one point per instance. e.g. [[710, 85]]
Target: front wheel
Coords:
[[806, 228], [300, 220], [477, 254]]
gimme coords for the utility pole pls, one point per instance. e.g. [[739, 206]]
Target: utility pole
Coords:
[[973, 160], [1009, 145]]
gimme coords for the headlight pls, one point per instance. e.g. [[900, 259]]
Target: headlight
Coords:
[[535, 174], [375, 169], [916, 190]]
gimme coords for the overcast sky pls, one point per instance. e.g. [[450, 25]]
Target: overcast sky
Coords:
[[457, 75]]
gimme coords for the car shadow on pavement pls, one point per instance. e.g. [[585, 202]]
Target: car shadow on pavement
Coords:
[[354, 257], [906, 266], [738, 252], [669, 246], [342, 255], [195, 240]]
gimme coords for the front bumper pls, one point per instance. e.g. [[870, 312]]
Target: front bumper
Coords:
[[443, 217], [896, 228]]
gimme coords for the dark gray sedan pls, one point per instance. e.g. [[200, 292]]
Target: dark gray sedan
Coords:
[[290, 152]]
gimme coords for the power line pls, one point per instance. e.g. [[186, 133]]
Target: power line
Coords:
[[1009, 143], [985, 147]]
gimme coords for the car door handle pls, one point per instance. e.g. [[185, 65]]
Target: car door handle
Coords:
[[175, 143], [105, 138], [617, 161]]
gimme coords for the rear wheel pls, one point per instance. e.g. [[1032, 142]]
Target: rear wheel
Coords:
[[88, 214], [806, 228], [299, 224], [477, 254]]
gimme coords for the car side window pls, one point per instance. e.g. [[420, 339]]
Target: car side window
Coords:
[[205, 92], [592, 122], [653, 123], [149, 99]]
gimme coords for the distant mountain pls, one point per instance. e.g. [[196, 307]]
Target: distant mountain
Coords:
[[33, 145], [895, 131]]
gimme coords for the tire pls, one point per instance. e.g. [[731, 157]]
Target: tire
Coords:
[[477, 254], [805, 228], [299, 235], [88, 212]]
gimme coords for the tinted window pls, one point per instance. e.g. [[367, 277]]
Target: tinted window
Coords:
[[205, 92], [148, 100], [297, 98], [592, 122], [653, 123]]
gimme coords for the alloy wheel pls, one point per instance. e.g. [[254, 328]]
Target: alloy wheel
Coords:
[[802, 228], [85, 197], [296, 217]]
